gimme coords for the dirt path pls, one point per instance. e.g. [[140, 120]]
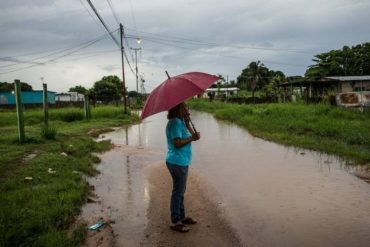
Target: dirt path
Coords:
[[211, 230]]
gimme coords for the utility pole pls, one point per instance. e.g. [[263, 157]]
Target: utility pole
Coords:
[[123, 69], [227, 87], [142, 85], [137, 79]]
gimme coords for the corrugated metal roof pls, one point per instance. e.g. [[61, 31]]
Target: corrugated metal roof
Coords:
[[349, 78]]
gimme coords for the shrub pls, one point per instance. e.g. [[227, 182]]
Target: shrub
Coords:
[[48, 132]]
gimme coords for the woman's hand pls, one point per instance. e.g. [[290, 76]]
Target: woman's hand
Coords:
[[178, 142], [195, 136]]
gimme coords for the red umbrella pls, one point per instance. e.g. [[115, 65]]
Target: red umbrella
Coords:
[[175, 90]]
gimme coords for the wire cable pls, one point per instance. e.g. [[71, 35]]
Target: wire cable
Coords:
[[92, 17], [56, 51], [103, 23], [197, 42], [86, 44], [208, 53], [114, 13], [110, 33]]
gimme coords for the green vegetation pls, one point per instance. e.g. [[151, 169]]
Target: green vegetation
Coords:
[[333, 130], [41, 183], [346, 61]]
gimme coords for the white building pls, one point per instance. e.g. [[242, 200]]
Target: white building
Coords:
[[227, 91], [69, 97]]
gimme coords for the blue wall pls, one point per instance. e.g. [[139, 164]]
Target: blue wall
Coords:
[[28, 97]]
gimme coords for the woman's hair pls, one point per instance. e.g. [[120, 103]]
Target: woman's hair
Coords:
[[175, 111]]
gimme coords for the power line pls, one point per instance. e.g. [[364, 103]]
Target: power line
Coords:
[[110, 33], [133, 16], [208, 53], [86, 44], [198, 42], [92, 17], [114, 13], [56, 51], [103, 23]]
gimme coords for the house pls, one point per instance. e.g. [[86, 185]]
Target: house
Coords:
[[69, 97], [7, 99], [347, 84], [313, 90]]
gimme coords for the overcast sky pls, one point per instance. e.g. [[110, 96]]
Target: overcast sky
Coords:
[[44, 38]]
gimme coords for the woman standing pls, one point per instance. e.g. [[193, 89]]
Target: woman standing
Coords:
[[179, 137]]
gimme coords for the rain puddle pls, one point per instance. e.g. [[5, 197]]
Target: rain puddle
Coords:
[[272, 195], [121, 190]]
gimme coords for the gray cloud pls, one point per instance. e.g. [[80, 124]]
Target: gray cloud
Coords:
[[283, 34]]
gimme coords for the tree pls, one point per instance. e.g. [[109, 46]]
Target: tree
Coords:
[[133, 94], [344, 62], [79, 89], [8, 87], [272, 89], [255, 76], [108, 89]]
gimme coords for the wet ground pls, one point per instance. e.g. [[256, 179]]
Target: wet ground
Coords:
[[271, 195]]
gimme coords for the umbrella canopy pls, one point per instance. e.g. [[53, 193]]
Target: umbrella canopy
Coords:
[[175, 90]]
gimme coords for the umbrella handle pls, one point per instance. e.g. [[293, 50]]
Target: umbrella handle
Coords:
[[192, 125]]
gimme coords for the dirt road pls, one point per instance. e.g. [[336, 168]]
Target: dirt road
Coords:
[[211, 229]]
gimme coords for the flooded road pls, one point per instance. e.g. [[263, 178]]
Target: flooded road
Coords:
[[271, 195]]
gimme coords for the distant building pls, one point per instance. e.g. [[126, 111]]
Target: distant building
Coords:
[[346, 84], [223, 91], [28, 98], [69, 97], [314, 89]]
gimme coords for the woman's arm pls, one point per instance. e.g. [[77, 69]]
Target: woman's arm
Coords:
[[178, 142]]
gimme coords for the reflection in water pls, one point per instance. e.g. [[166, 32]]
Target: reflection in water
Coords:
[[126, 132], [129, 182], [121, 186], [271, 194]]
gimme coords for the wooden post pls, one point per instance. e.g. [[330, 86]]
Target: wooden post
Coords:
[[86, 107], [45, 103], [19, 106]]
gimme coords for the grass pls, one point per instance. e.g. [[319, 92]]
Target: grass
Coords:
[[40, 197], [324, 128]]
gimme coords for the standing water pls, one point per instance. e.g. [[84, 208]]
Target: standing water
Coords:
[[272, 195]]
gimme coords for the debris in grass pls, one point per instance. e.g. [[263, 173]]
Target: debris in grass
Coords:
[[30, 157], [28, 178], [96, 226], [51, 171], [64, 154]]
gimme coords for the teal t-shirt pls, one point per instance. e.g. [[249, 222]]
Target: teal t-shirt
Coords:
[[176, 128]]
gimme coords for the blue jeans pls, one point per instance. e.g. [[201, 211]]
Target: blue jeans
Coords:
[[179, 176]]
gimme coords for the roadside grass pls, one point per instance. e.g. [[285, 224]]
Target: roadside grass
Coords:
[[319, 127], [41, 181]]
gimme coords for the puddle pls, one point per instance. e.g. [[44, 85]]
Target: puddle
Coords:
[[272, 195], [122, 192]]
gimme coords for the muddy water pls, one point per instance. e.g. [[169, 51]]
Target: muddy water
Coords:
[[122, 194], [271, 195]]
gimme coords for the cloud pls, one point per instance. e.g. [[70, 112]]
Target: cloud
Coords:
[[215, 36]]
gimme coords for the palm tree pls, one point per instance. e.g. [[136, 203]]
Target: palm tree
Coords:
[[256, 71]]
